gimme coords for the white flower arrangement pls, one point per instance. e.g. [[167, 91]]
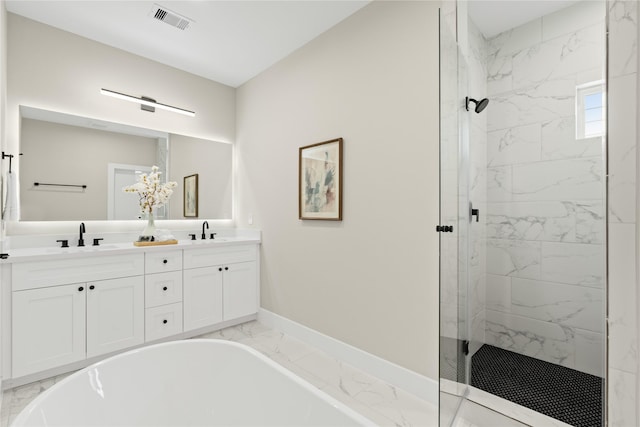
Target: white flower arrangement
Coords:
[[152, 193]]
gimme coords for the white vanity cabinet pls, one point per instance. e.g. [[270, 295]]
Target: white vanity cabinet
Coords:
[[220, 284], [68, 317], [64, 312]]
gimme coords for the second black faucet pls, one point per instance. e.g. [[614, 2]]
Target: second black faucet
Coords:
[[204, 236]]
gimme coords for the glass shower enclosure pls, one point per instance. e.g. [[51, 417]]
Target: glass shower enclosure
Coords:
[[522, 210]]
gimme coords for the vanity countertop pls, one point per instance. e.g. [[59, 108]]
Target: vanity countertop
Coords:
[[51, 253]]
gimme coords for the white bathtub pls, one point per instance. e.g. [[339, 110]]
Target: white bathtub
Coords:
[[187, 383]]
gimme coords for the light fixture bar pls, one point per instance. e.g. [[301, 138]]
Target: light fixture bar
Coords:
[[146, 102]]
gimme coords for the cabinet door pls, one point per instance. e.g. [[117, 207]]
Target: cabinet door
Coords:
[[202, 297], [48, 328], [115, 314], [240, 291]]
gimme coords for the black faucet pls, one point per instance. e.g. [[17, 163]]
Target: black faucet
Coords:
[[82, 230], [204, 236]]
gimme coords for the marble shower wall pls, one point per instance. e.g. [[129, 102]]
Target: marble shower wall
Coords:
[[622, 381], [545, 221]]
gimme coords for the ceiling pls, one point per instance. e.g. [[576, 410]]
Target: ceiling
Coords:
[[226, 41], [232, 41]]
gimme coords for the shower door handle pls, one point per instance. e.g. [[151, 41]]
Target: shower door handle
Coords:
[[474, 212]]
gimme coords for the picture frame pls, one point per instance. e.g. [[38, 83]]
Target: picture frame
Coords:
[[190, 196], [320, 181]]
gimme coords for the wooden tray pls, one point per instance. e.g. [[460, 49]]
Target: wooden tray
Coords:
[[165, 242]]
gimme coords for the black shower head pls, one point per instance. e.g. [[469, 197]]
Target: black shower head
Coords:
[[480, 105]]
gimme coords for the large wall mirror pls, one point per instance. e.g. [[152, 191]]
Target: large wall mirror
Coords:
[[73, 168]]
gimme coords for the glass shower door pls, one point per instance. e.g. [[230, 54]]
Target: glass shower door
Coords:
[[453, 225]]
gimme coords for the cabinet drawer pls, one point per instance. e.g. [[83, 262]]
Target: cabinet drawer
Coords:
[[162, 261], [163, 321], [32, 275], [162, 288], [207, 257]]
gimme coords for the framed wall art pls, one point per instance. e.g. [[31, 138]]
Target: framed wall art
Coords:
[[320, 181], [190, 202]]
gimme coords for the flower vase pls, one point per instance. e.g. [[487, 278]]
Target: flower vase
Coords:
[[149, 230]]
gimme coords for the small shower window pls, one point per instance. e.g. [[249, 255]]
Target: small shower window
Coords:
[[590, 110]]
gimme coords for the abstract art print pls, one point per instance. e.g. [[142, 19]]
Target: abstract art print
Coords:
[[320, 181], [190, 203]]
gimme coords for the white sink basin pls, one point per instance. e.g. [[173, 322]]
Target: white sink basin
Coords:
[[97, 248]]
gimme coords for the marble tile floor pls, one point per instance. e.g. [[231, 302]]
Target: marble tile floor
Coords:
[[380, 402]]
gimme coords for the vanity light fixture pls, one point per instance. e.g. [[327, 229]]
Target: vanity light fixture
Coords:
[[146, 102]]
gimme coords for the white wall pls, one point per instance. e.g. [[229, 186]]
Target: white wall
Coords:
[[370, 280], [59, 71]]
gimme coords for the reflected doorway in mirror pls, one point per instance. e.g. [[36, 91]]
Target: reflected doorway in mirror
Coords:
[[120, 205]]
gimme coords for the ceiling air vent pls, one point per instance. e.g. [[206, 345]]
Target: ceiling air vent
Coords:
[[168, 17]]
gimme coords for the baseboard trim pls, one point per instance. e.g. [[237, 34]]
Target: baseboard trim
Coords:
[[423, 387]]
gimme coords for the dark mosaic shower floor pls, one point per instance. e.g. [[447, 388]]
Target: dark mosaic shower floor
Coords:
[[562, 393]]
